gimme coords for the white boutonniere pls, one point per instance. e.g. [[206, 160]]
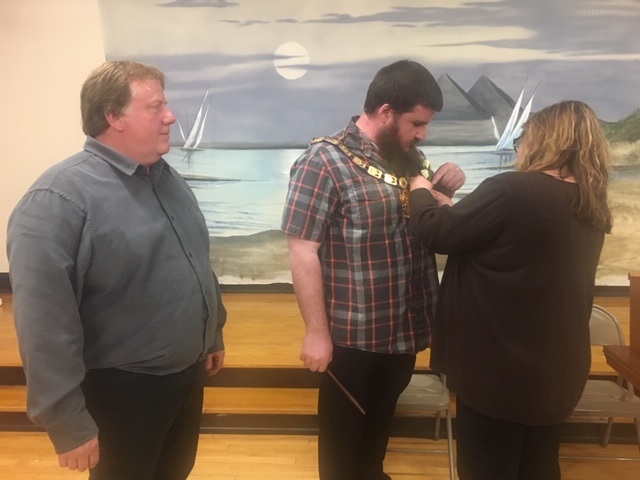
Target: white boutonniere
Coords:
[[426, 171]]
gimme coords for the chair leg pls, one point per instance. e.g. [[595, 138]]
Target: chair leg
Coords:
[[452, 468], [607, 434], [637, 422], [436, 432]]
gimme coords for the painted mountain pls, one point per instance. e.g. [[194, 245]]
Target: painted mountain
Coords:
[[491, 97], [458, 104], [466, 116]]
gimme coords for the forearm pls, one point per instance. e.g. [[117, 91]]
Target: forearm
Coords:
[[467, 225], [306, 273], [317, 348], [51, 349]]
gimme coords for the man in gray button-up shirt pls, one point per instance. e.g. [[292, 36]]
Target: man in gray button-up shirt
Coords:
[[115, 303]]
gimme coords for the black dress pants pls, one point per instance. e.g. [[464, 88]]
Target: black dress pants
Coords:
[[352, 446], [148, 424], [492, 449]]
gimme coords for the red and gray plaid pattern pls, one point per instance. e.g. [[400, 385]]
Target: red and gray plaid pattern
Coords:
[[380, 283]]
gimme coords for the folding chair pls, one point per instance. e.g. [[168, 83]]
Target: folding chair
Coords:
[[606, 398], [428, 394]]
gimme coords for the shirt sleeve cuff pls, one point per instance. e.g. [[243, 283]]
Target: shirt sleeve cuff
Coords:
[[218, 343], [69, 435]]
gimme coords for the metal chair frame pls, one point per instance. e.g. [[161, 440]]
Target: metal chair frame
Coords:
[[606, 398], [428, 394]]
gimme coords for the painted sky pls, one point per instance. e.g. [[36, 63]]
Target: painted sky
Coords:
[[577, 49]]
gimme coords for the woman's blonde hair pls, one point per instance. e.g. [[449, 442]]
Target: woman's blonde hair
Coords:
[[567, 136], [108, 90]]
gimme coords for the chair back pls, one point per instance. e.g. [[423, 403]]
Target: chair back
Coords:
[[604, 327]]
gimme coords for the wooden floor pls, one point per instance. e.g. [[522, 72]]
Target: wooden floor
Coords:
[[29, 456], [264, 331]]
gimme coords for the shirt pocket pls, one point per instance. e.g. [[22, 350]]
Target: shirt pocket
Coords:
[[371, 206]]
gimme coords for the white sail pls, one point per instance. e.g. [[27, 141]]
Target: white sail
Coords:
[[514, 126], [506, 139], [517, 130], [192, 141], [496, 133], [201, 131], [181, 130]]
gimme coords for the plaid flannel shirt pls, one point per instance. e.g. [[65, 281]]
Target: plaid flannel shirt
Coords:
[[380, 283]]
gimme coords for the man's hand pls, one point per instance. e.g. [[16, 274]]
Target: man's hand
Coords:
[[317, 351], [213, 363], [83, 457], [448, 179]]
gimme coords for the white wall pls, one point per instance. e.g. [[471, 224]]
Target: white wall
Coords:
[[47, 49]]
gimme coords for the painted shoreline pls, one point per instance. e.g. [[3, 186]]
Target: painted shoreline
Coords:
[[263, 258]]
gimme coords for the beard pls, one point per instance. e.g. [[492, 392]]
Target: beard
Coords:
[[401, 162]]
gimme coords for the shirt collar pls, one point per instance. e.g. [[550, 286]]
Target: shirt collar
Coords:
[[359, 143], [117, 159]]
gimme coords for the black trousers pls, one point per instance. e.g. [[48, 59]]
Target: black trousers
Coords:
[[491, 449], [149, 424], [352, 446]]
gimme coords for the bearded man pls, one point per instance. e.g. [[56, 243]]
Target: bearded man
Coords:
[[365, 286]]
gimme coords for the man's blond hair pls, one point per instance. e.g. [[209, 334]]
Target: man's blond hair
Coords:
[[108, 90]]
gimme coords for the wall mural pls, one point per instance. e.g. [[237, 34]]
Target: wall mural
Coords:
[[252, 82]]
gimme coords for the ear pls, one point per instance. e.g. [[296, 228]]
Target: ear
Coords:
[[115, 121], [386, 113]]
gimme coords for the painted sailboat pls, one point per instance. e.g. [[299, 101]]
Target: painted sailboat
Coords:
[[193, 139], [516, 121]]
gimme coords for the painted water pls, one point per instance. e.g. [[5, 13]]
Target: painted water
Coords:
[[242, 192]]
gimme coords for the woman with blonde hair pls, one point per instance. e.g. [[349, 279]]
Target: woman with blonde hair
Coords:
[[512, 323]]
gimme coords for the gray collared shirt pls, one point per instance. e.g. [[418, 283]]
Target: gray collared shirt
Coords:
[[109, 265]]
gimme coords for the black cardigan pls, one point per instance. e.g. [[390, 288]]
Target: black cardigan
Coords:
[[511, 330]]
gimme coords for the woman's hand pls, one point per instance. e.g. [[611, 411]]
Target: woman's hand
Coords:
[[420, 182], [441, 199]]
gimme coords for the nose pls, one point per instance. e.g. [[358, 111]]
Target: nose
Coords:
[[421, 134], [169, 117]]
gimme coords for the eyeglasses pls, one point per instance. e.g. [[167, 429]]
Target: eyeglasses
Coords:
[[516, 143]]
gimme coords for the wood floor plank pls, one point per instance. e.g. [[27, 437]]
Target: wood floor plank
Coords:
[[267, 401], [13, 398], [29, 456], [293, 401], [265, 330]]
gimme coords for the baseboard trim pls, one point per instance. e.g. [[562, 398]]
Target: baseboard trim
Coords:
[[600, 290], [227, 377], [5, 284], [12, 376], [281, 377], [407, 427], [246, 377]]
